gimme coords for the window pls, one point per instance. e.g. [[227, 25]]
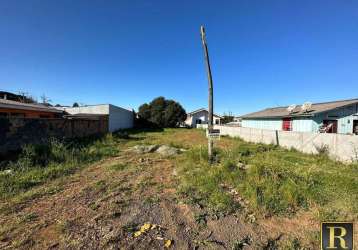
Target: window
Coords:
[[217, 121], [355, 127], [287, 124], [330, 126], [198, 121]]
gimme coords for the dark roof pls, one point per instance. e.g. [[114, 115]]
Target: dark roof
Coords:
[[27, 106], [15, 97], [85, 116], [93, 105], [203, 109], [316, 108]]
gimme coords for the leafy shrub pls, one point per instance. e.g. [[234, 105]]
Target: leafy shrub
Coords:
[[27, 158], [322, 149]]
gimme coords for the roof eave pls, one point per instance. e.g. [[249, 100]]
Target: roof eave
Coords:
[[203, 109], [18, 107], [276, 117]]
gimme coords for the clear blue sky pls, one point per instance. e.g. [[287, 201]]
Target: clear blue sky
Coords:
[[263, 53]]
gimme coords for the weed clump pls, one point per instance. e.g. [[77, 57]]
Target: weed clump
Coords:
[[38, 163]]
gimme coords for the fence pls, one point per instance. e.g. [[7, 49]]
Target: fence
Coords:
[[340, 147], [202, 126], [16, 132]]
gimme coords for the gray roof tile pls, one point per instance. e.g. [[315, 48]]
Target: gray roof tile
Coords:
[[316, 108]]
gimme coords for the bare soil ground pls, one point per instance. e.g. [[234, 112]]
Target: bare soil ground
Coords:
[[103, 205]]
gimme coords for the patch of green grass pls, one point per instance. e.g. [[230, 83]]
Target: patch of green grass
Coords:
[[100, 186], [296, 244], [38, 164], [94, 206], [118, 167], [200, 182], [274, 181], [145, 183], [151, 200], [175, 137], [201, 218], [28, 217]]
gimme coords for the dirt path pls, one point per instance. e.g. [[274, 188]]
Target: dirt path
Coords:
[[102, 206]]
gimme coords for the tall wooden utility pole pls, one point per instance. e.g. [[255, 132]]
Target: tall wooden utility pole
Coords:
[[210, 97]]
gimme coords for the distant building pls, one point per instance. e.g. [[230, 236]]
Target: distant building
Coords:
[[329, 117], [200, 116], [9, 108], [237, 119], [118, 118], [15, 97], [235, 123]]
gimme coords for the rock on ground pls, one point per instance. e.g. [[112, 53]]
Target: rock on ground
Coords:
[[167, 150], [141, 149], [6, 172], [160, 149]]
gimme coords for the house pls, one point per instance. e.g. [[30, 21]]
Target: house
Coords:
[[118, 117], [328, 117], [235, 123], [200, 116], [9, 108], [15, 97]]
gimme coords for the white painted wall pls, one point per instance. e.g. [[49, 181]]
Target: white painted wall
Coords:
[[302, 125], [201, 115], [118, 118], [341, 147], [273, 124], [298, 124]]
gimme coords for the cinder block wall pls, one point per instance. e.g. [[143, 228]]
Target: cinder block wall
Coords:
[[16, 132], [341, 147]]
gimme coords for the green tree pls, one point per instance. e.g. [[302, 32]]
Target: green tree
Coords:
[[75, 105], [162, 113], [227, 118]]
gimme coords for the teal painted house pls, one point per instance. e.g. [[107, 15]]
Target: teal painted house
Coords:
[[328, 117]]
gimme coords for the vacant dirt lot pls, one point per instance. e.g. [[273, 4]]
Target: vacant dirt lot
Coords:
[[133, 201]]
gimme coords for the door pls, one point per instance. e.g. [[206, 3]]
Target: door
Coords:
[[355, 127], [330, 125], [287, 124]]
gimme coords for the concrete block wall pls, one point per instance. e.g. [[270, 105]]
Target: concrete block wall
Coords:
[[16, 132], [341, 147]]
